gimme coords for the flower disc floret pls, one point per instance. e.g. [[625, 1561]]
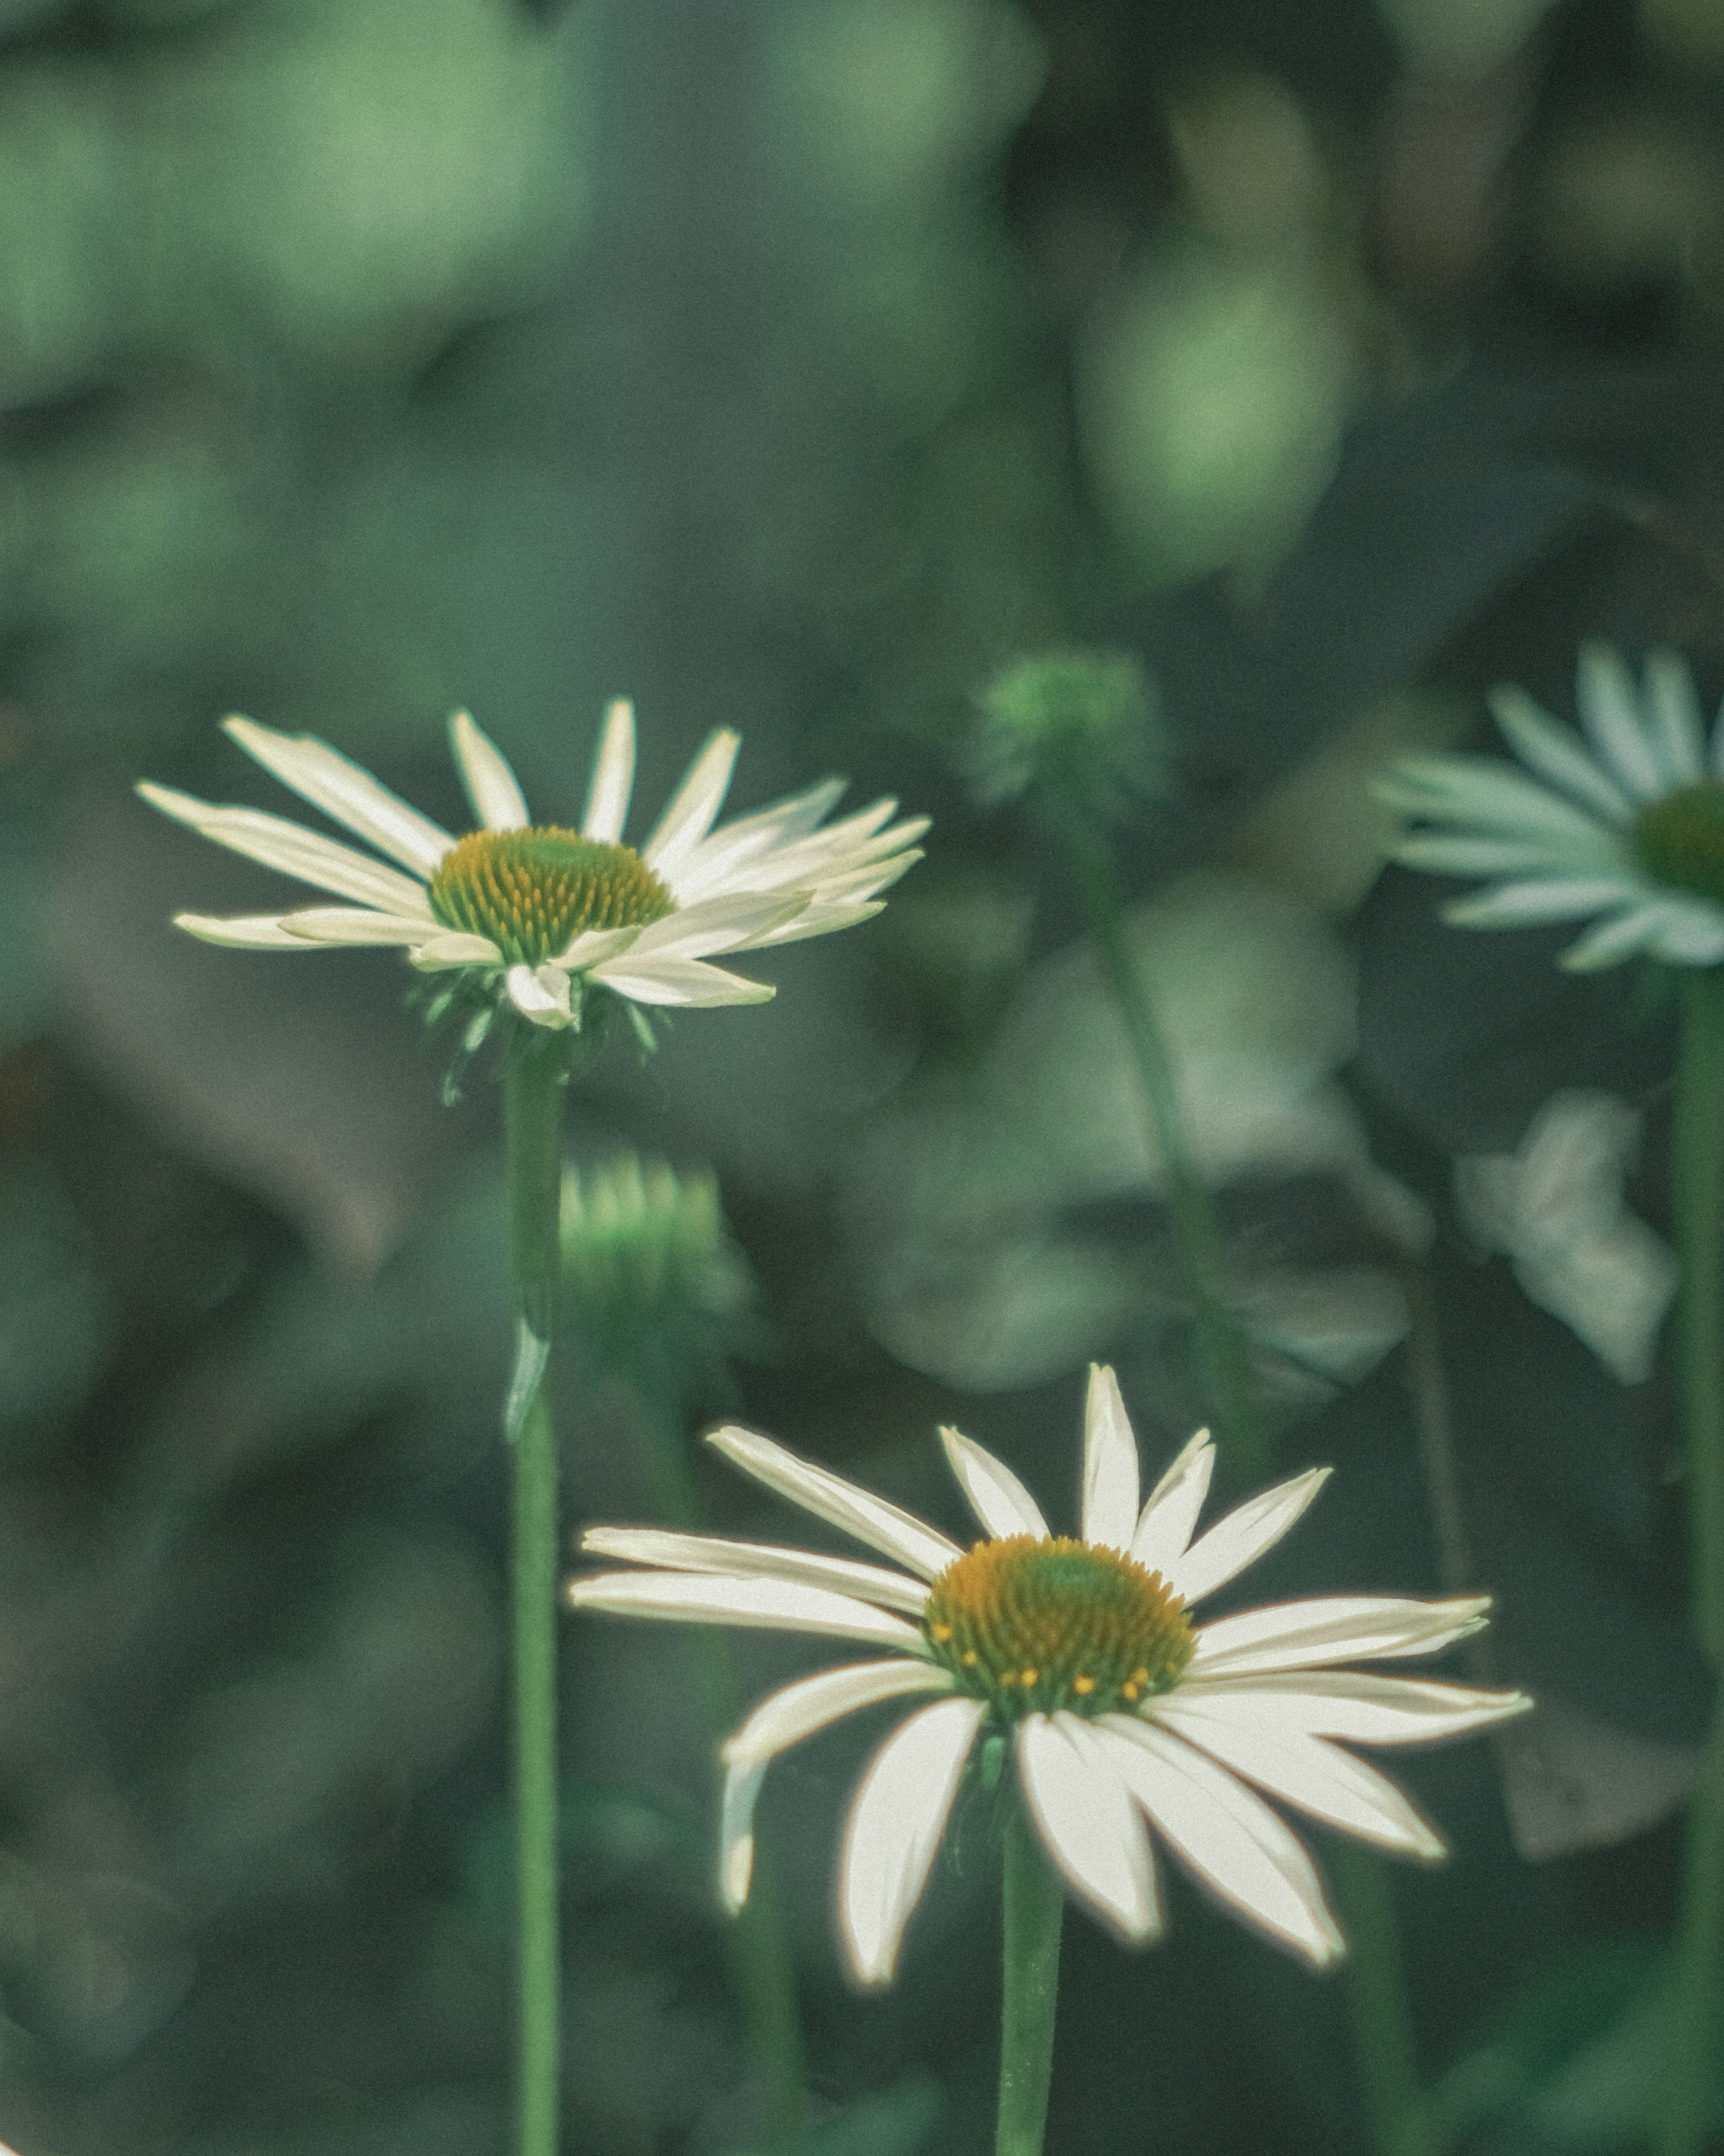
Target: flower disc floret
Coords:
[[1032, 1625], [532, 892], [1680, 840]]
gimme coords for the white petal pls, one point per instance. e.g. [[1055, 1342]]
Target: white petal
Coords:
[[1110, 1510], [1241, 1537], [773, 1605], [1358, 1705], [895, 1823], [456, 948], [1332, 1627], [681, 981], [728, 923], [292, 850], [497, 800], [1165, 1524], [1231, 1839], [613, 775], [736, 1833], [1309, 1772], [814, 920], [1611, 941], [1610, 712], [340, 788], [678, 1552], [740, 858], [689, 817], [1443, 854], [996, 1497], [541, 993], [811, 1704], [242, 931], [1536, 900], [1554, 752], [1088, 1824], [1691, 935], [1487, 795], [881, 1525], [1674, 710], [592, 945], [357, 925], [753, 837]]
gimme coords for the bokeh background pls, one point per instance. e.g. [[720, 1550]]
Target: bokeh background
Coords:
[[795, 365]]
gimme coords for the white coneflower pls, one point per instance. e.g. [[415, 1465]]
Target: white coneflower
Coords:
[[1626, 824], [535, 912], [1121, 1713]]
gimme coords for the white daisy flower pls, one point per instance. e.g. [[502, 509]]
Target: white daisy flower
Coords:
[[1626, 825], [539, 909], [1121, 1714]]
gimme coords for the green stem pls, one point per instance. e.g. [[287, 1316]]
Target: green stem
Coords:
[[1034, 1906], [764, 1967], [1377, 1997], [1224, 1359], [1697, 1204], [533, 1096]]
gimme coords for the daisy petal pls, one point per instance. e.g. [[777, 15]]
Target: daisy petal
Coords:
[[456, 948], [1110, 1508], [1332, 1627], [357, 925], [1609, 711], [693, 806], [1675, 711], [242, 931], [1554, 752], [682, 982], [816, 921], [1309, 1772], [331, 781], [1165, 1524], [882, 1525], [1610, 941], [1691, 934], [1232, 1840], [1091, 1830], [728, 923], [811, 1704], [773, 1605], [491, 786], [895, 1823], [1443, 855], [1358, 1705], [613, 775], [662, 1547], [292, 850], [540, 994], [1488, 795], [1241, 1537], [1534, 899], [736, 1833], [996, 1497]]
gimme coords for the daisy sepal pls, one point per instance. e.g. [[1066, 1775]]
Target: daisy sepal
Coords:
[[773, 1605], [1609, 711], [996, 1496], [1357, 1705], [359, 925], [1332, 1627], [243, 931], [1164, 1527], [1483, 791], [1241, 1537], [612, 781], [689, 982], [1531, 903], [492, 785], [292, 850], [1110, 1491], [670, 1551], [896, 1819], [343, 790], [1553, 751], [875, 1520], [1230, 1840], [692, 810], [1310, 1771], [1091, 1830]]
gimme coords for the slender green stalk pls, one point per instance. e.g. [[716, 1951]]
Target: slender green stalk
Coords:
[[1224, 1362], [1697, 1204], [1034, 1907], [764, 1967], [534, 1091], [1377, 1998]]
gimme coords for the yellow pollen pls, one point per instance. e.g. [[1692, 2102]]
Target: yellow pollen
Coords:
[[532, 892], [1028, 1678], [1130, 1690], [1140, 1676], [1083, 1685], [969, 1657], [940, 1634]]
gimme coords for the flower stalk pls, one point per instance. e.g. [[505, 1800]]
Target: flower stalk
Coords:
[[1697, 1202], [1034, 1908], [534, 1091]]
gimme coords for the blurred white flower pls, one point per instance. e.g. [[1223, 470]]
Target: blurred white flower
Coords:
[[1555, 1208], [1627, 825], [538, 911], [1121, 1714]]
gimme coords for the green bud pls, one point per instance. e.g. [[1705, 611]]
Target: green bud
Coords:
[[1085, 726]]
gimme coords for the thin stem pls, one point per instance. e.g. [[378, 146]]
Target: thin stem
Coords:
[[1697, 1204], [1377, 1997], [764, 1966], [533, 1096], [1034, 1907], [1224, 1359]]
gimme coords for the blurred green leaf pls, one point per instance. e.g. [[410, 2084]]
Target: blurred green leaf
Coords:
[[899, 2124]]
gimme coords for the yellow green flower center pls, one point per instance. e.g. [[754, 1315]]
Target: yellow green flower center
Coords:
[[1032, 1625], [1680, 840], [532, 892]]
